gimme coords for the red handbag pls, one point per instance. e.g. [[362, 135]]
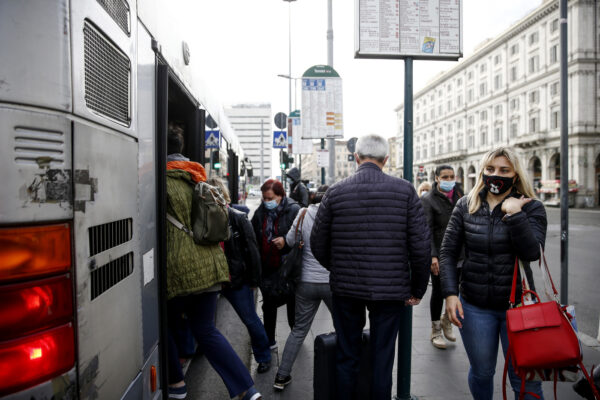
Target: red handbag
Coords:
[[540, 336]]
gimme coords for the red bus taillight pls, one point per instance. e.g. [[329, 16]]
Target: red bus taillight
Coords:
[[32, 306], [37, 339], [34, 359], [34, 251]]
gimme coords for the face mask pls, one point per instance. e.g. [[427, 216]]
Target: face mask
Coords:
[[424, 192], [271, 204], [289, 180], [497, 184], [447, 186]]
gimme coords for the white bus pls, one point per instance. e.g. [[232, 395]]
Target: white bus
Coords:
[[87, 88]]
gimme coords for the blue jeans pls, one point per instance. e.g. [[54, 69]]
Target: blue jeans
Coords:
[[242, 301], [200, 309], [349, 321], [308, 300], [482, 330]]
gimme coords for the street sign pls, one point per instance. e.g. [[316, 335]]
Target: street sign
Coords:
[[279, 140], [322, 103], [210, 122], [322, 158], [297, 145], [212, 139], [351, 145], [280, 120], [422, 30]]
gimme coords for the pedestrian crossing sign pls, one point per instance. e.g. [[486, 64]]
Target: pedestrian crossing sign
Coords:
[[280, 140]]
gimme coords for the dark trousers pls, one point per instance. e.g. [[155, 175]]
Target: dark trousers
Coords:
[[437, 301], [200, 310], [349, 320], [270, 316], [242, 301]]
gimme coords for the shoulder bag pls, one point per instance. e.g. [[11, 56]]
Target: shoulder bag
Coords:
[[280, 286], [540, 335]]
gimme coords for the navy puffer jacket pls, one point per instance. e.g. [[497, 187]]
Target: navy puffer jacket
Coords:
[[371, 233], [491, 245]]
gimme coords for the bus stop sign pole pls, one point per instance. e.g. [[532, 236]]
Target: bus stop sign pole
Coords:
[[405, 332]]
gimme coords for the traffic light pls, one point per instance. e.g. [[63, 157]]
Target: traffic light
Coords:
[[285, 159], [215, 160]]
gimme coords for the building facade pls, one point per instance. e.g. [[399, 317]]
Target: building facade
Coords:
[[344, 167], [508, 93], [393, 164], [252, 125]]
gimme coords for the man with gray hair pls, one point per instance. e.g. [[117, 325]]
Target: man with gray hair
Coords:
[[371, 234]]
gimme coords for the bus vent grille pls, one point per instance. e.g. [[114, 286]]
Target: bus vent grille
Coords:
[[107, 76], [34, 146], [106, 236], [119, 11], [108, 275]]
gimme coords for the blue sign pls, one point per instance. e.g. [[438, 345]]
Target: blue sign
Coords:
[[212, 139], [280, 140], [313, 84]]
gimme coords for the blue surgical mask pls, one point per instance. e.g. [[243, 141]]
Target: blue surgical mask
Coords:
[[271, 204], [447, 186]]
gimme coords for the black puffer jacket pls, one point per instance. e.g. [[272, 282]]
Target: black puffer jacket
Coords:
[[371, 233], [438, 209], [491, 245], [283, 224], [241, 251]]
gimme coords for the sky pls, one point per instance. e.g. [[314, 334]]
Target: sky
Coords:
[[243, 45]]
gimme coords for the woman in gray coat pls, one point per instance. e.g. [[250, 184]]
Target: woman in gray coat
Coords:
[[312, 288]]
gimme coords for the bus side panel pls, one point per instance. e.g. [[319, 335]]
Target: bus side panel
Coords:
[[36, 167], [90, 13], [147, 186], [34, 66], [108, 262]]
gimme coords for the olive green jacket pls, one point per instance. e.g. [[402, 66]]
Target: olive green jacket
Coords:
[[191, 268]]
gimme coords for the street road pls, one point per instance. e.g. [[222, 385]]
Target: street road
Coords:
[[584, 263]]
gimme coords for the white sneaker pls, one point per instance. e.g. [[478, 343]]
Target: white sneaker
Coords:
[[437, 339], [447, 328]]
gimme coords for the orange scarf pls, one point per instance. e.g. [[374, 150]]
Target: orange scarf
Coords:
[[195, 169]]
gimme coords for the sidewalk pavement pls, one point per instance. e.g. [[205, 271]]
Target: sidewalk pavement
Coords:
[[436, 374]]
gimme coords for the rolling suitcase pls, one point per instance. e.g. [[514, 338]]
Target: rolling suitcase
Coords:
[[324, 369]]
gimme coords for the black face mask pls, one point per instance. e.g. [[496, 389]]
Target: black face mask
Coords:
[[497, 184]]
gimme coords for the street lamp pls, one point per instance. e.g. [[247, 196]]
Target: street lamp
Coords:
[[289, 53], [295, 90]]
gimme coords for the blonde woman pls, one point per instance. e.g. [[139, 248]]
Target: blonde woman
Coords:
[[423, 188], [498, 221]]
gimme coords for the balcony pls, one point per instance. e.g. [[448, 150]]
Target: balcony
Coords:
[[456, 155], [530, 140]]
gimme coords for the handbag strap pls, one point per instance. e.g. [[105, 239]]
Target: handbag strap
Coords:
[[513, 290], [546, 273], [300, 224]]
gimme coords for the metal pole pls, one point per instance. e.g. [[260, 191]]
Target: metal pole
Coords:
[[289, 58], [330, 63], [262, 151], [405, 332], [322, 169], [564, 158]]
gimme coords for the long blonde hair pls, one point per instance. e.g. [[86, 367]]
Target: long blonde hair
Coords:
[[523, 185]]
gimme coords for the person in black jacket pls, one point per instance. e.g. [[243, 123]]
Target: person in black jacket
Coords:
[[498, 221], [438, 204], [243, 260], [298, 190], [371, 234], [271, 222]]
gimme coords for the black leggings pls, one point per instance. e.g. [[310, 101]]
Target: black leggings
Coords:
[[270, 316], [437, 301]]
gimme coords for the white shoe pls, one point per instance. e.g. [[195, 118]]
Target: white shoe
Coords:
[[437, 338], [447, 328]]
